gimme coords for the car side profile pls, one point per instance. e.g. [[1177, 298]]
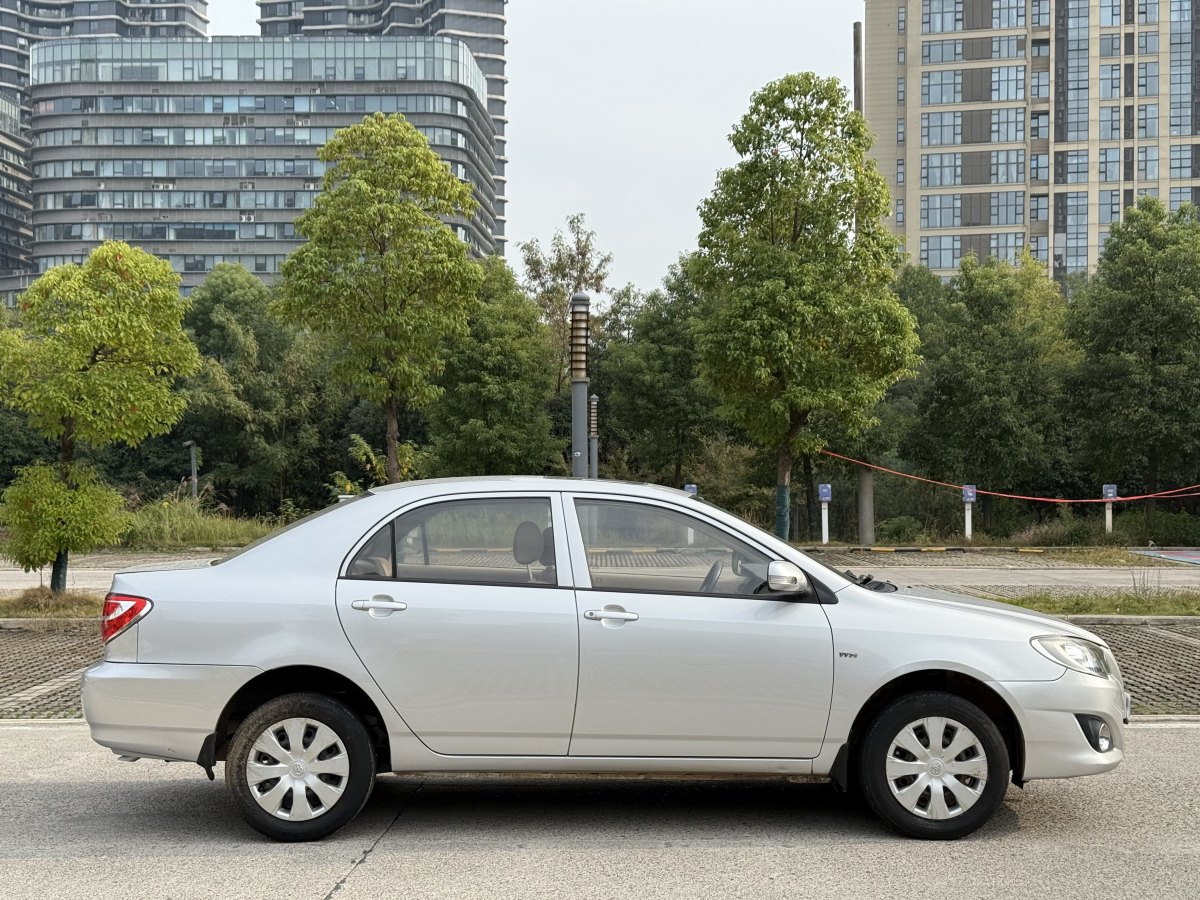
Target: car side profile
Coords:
[[573, 626]]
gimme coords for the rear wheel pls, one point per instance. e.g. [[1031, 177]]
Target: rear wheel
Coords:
[[933, 765], [300, 767]]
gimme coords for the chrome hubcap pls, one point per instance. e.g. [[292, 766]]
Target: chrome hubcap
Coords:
[[298, 769], [936, 768]]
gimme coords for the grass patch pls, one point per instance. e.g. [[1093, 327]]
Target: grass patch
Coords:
[[1124, 603], [1114, 557], [41, 603], [178, 523]]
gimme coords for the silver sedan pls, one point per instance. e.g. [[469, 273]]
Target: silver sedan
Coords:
[[555, 625]]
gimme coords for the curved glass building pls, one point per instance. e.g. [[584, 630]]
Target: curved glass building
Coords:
[[480, 24], [204, 151]]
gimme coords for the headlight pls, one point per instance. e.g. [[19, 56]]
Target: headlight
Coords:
[[1074, 653]]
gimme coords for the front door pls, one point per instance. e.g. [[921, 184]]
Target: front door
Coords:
[[455, 609], [682, 651]]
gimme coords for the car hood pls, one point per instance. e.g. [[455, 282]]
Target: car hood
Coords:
[[1038, 623]]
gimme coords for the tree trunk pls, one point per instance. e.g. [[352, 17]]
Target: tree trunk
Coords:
[[66, 456], [58, 575], [678, 459], [393, 441], [1152, 484], [783, 493]]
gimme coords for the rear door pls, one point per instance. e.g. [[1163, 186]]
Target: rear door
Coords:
[[455, 608]]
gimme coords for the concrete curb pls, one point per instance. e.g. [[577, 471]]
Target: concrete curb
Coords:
[[49, 624], [1133, 620]]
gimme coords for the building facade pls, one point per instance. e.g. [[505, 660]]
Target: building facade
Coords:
[[1002, 124], [480, 24], [25, 22], [14, 191], [204, 151]]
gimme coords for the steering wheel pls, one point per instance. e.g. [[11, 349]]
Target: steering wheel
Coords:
[[709, 584]]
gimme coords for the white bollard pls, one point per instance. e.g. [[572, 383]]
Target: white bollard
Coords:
[[824, 523]]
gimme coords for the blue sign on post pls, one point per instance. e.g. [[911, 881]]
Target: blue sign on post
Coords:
[[968, 493], [1110, 492], [825, 493], [692, 489]]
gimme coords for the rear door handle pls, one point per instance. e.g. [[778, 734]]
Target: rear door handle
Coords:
[[379, 606], [598, 615]]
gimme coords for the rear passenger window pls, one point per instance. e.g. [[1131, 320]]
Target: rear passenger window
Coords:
[[494, 541]]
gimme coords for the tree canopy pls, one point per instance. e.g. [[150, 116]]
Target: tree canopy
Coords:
[[796, 264], [381, 272]]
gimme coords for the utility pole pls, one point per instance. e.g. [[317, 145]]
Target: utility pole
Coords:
[[191, 446], [581, 305]]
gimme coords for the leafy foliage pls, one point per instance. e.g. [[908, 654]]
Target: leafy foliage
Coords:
[[572, 264], [1137, 323], [381, 273], [796, 264], [99, 348], [649, 374], [491, 418], [48, 512], [990, 395]]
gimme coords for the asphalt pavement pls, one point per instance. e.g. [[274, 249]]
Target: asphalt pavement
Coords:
[[78, 823]]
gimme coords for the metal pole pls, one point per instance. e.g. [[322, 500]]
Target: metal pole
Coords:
[[1108, 518], [191, 445], [866, 506], [594, 436], [580, 314], [824, 523], [968, 519]]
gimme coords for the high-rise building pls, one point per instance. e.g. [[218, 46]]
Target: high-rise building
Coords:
[[1002, 124], [478, 23], [204, 151], [25, 22], [14, 191]]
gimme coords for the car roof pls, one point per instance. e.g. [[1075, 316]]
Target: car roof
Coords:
[[537, 483]]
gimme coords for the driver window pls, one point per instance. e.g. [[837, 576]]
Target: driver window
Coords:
[[631, 547]]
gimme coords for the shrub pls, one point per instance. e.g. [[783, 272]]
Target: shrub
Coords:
[[900, 530], [182, 522]]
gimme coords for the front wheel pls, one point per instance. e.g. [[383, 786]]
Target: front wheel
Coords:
[[300, 767], [933, 765]]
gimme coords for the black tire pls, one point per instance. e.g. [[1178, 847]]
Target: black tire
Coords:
[[348, 747], [965, 801]]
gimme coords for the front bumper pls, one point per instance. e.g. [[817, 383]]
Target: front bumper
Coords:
[[157, 711], [1055, 745]]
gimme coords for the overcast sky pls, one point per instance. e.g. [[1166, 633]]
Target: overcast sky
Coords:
[[621, 109]]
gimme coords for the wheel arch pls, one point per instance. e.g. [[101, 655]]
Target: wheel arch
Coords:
[[962, 685], [297, 679]]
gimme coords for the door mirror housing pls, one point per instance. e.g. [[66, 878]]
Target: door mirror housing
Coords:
[[787, 578]]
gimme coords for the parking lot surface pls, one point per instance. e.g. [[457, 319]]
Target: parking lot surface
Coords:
[[80, 824]]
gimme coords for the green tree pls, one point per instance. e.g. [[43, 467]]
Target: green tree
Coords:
[[94, 362], [796, 264], [381, 274], [650, 382], [573, 263], [491, 418], [989, 396], [1136, 391]]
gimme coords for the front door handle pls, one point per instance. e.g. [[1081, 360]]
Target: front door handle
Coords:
[[380, 605], [599, 615]]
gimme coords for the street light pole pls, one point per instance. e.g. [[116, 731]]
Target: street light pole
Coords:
[[580, 320], [191, 445], [594, 436]]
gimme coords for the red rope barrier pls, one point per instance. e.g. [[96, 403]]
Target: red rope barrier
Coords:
[[1173, 494]]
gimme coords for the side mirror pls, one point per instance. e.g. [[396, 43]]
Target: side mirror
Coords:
[[786, 578]]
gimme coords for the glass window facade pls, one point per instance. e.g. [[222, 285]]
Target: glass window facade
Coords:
[[204, 151]]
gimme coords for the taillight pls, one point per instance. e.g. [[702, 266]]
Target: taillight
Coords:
[[121, 611]]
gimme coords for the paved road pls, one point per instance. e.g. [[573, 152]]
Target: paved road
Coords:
[[95, 573], [78, 823], [967, 576]]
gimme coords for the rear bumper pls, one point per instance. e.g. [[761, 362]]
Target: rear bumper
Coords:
[[1055, 745], [157, 711]]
